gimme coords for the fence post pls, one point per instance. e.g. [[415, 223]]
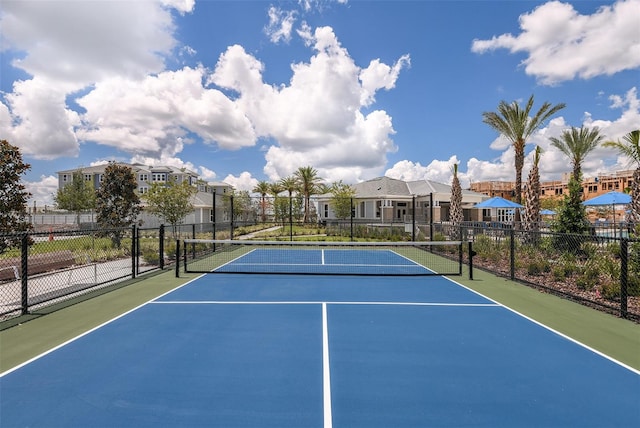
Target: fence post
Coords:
[[351, 214], [624, 272], [177, 258], [193, 236], [413, 218], [471, 254], [290, 217], [134, 253], [232, 216], [24, 266], [512, 253], [161, 247]]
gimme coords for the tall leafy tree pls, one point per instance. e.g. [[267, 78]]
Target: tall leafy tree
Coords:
[[171, 201], [455, 207], [117, 203], [532, 217], [571, 214], [308, 183], [13, 194], [630, 148], [77, 196], [516, 124], [262, 188], [576, 144], [341, 199]]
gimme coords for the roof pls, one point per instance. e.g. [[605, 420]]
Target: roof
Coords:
[[382, 187]]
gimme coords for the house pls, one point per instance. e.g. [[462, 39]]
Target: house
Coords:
[[388, 200]]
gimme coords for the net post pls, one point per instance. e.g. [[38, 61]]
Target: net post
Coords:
[[460, 261], [177, 258], [624, 272]]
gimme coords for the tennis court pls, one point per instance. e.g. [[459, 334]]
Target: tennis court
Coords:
[[272, 350]]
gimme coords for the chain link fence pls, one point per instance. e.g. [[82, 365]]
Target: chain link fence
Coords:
[[38, 269]]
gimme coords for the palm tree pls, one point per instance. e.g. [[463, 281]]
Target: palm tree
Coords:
[[532, 216], [308, 183], [630, 147], [263, 189], [290, 184], [515, 124], [576, 144], [455, 210]]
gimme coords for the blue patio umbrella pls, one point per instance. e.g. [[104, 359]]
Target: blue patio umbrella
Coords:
[[498, 202], [612, 198], [547, 212]]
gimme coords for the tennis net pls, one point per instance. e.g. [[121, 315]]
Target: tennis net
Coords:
[[321, 257]]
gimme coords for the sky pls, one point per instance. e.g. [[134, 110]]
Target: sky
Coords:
[[247, 91]]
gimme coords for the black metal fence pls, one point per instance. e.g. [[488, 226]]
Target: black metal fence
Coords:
[[38, 269], [601, 269]]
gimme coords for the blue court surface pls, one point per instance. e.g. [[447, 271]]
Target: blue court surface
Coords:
[[233, 350]]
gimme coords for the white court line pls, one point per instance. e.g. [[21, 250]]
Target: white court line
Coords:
[[295, 302], [326, 373], [323, 256]]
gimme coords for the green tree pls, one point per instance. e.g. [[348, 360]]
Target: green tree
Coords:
[[515, 124], [630, 148], [77, 196], [262, 188], [455, 207], [576, 144], [117, 203], [171, 201], [308, 183], [13, 194], [341, 199], [571, 215]]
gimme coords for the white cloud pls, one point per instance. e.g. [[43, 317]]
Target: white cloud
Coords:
[[130, 103], [280, 25], [207, 174], [43, 191], [561, 44], [37, 119], [83, 42], [68, 46], [242, 182], [151, 117]]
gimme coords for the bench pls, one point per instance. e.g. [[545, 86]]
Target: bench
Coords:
[[36, 264]]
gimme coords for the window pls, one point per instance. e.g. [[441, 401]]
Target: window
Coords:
[[326, 210], [143, 190], [362, 209], [144, 177], [157, 176], [87, 177], [64, 178]]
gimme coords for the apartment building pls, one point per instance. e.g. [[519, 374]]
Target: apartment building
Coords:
[[591, 186], [146, 176]]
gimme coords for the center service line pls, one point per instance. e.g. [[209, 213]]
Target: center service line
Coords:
[[326, 375]]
